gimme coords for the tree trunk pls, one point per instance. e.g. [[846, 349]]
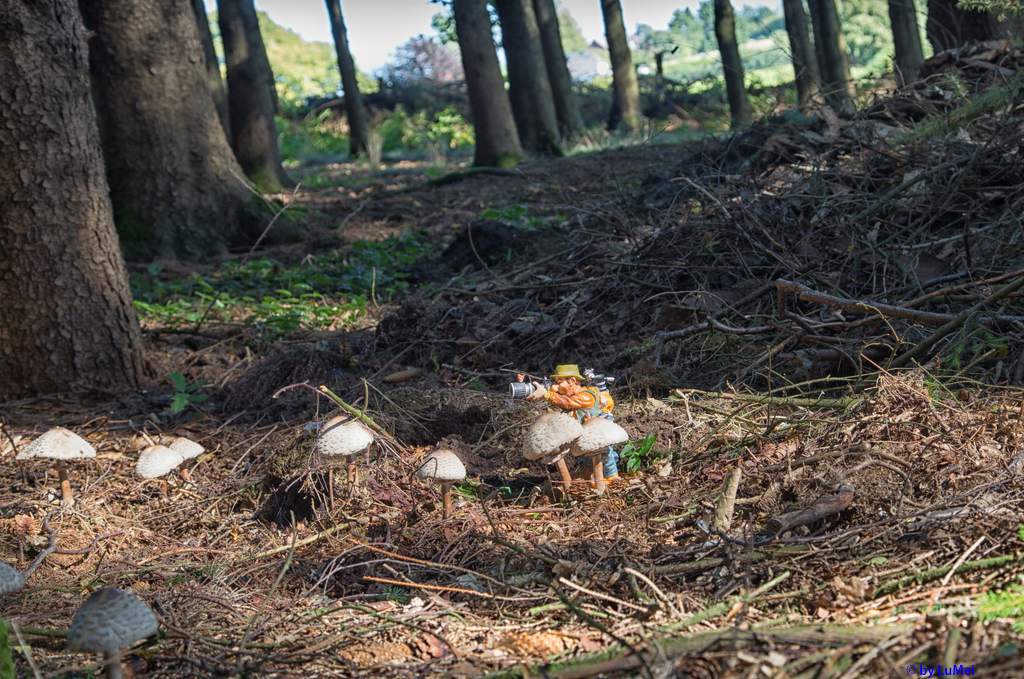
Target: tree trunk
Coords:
[[213, 79], [250, 95], [168, 161], [569, 121], [832, 52], [533, 104], [67, 313], [358, 129], [906, 37], [625, 91], [948, 26], [725, 33], [805, 64], [497, 142]]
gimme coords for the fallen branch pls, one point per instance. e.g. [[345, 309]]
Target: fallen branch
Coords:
[[936, 573], [795, 401], [825, 506], [726, 504]]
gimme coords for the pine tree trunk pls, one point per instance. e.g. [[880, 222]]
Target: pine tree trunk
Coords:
[[569, 121], [533, 104], [213, 78], [625, 91], [67, 313], [906, 37], [174, 182], [358, 129], [948, 26], [250, 95], [832, 52], [497, 141], [805, 63], [732, 64]]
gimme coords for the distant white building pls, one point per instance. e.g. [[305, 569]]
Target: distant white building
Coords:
[[593, 63]]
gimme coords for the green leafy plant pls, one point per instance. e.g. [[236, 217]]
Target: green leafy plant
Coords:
[[1008, 603], [639, 455], [6, 652], [185, 393]]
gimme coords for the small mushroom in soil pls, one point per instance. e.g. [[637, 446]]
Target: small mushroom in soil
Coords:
[[189, 449], [10, 579], [598, 434], [445, 467], [346, 437], [108, 622], [157, 461], [62, 446], [548, 438]]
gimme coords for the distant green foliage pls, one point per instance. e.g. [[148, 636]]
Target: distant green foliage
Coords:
[[328, 291], [310, 138], [6, 653], [572, 37], [402, 131], [1001, 8]]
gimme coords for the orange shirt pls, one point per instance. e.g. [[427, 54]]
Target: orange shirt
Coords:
[[581, 400]]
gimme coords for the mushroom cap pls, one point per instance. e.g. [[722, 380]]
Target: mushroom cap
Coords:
[[186, 447], [598, 434], [343, 436], [58, 444], [10, 579], [156, 461], [443, 465], [549, 434], [110, 620]]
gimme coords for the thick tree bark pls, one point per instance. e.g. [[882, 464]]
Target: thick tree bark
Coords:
[[805, 63], [725, 33], [497, 141], [533, 104], [906, 37], [569, 121], [625, 91], [213, 79], [358, 129], [834, 61], [175, 185], [948, 26], [67, 313], [250, 95]]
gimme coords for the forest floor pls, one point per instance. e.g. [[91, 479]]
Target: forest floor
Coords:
[[827, 311]]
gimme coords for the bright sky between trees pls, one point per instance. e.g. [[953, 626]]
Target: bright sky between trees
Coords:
[[377, 27]]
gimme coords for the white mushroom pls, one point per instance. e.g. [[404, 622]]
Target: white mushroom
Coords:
[[342, 436], [60, 445], [548, 438], [445, 467], [108, 622], [598, 434], [187, 447], [10, 579], [157, 461]]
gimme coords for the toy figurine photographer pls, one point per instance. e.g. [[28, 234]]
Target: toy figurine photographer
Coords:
[[567, 392]]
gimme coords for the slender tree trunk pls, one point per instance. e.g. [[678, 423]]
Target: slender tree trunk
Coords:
[[533, 104], [906, 37], [175, 185], [948, 26], [835, 63], [497, 141], [358, 129], [805, 63], [67, 313], [732, 64], [213, 78], [569, 121], [625, 91], [250, 95]]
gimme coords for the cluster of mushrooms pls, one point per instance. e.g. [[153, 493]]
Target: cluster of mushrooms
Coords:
[[553, 435], [64, 447], [107, 623]]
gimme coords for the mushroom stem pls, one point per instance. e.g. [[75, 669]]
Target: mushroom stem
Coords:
[[447, 488], [563, 471], [113, 663], [352, 473], [599, 484], [66, 497], [163, 489]]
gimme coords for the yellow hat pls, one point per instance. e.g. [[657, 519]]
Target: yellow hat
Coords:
[[567, 370]]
